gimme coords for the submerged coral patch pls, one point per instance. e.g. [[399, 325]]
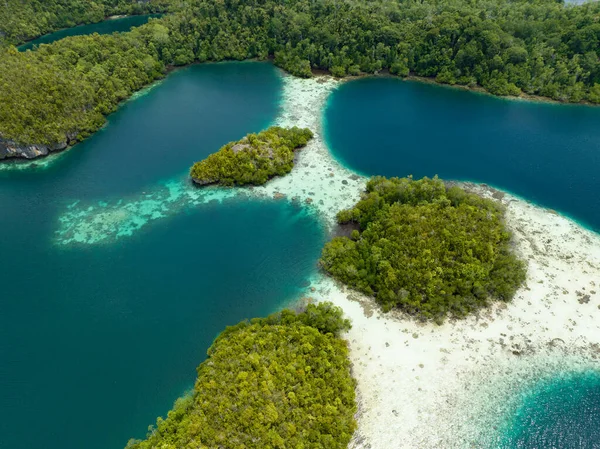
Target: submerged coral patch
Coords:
[[106, 221], [532, 401]]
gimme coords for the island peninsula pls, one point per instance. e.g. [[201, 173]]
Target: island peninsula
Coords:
[[60, 93], [252, 160]]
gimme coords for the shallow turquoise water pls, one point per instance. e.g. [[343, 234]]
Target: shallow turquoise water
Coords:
[[546, 153], [106, 27], [96, 341], [559, 413]]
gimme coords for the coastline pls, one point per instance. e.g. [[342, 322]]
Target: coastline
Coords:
[[475, 89], [421, 385], [319, 75], [106, 18], [317, 179], [480, 90], [45, 161]]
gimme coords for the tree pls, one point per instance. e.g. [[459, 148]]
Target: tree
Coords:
[[425, 248]]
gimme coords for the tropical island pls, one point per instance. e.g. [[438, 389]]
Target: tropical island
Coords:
[[427, 382], [420, 384], [430, 249], [280, 381], [252, 160], [59, 94]]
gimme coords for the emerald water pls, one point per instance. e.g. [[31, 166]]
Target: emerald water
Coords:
[[109, 26], [117, 273], [560, 413], [97, 340], [546, 153]]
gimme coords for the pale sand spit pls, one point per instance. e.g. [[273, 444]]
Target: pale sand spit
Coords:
[[421, 385]]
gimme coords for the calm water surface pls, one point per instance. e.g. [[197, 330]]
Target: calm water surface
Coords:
[[563, 413], [97, 341], [546, 153], [106, 27]]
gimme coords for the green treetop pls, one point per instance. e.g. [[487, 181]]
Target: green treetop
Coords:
[[425, 248], [61, 92], [252, 160], [272, 383]]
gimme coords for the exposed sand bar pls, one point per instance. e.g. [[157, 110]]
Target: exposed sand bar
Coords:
[[317, 179], [419, 385], [429, 386]]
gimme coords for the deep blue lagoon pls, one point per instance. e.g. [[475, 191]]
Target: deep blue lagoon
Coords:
[[546, 153], [96, 341]]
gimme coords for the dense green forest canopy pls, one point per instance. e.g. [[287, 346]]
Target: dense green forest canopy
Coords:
[[62, 91], [539, 47], [425, 248], [279, 382], [23, 20], [252, 160]]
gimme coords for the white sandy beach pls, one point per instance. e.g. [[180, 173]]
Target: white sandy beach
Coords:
[[419, 385], [429, 386]]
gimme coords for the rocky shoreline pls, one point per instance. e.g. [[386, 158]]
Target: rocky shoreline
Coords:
[[10, 149]]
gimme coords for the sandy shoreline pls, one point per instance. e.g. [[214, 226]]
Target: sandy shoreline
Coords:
[[317, 178], [429, 386], [419, 385]]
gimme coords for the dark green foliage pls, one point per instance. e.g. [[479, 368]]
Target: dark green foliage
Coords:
[[22, 20], [538, 47], [275, 382], [253, 160], [62, 91], [426, 248]]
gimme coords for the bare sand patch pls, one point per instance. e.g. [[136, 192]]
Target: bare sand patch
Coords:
[[421, 385]]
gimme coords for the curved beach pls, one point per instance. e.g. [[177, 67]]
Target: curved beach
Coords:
[[421, 385]]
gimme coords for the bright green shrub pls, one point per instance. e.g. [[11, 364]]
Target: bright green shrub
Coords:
[[253, 160], [425, 248], [268, 383]]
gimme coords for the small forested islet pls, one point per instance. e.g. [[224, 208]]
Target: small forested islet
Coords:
[[60, 92], [426, 248], [277, 382], [252, 160]]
